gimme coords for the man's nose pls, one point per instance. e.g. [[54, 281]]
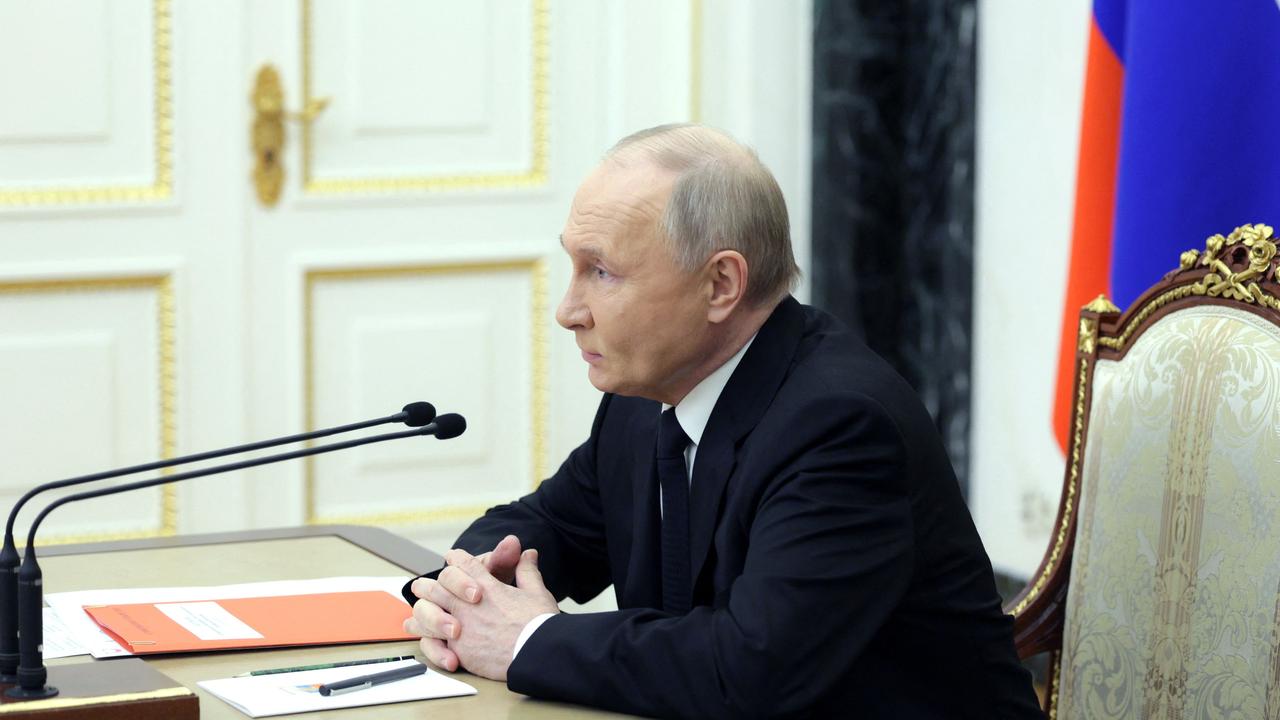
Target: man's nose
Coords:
[[572, 312]]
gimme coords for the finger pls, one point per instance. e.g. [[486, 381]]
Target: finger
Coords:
[[460, 584], [504, 557], [419, 587], [413, 627], [429, 590], [450, 603], [471, 565], [439, 654], [422, 587], [432, 621], [528, 576]]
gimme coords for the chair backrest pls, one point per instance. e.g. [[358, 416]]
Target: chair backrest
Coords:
[[1160, 594]]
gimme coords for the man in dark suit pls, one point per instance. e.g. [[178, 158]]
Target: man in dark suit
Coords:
[[771, 502]]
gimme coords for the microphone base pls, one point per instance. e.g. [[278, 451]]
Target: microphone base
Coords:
[[21, 693], [125, 688]]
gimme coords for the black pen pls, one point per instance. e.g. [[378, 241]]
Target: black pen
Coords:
[[368, 681]]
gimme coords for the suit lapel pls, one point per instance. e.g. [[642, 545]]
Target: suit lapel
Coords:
[[745, 398]]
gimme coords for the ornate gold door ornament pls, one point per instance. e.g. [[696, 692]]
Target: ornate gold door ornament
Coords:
[[267, 135]]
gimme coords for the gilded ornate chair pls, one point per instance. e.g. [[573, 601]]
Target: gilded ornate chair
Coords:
[[1159, 596]]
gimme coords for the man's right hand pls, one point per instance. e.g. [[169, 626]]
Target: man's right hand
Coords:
[[432, 618]]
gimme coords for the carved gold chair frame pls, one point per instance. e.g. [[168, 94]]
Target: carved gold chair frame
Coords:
[[1240, 271]]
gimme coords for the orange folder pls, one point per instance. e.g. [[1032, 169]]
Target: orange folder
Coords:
[[318, 619]]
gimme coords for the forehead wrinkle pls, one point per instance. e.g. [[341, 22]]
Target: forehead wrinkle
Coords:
[[635, 212], [617, 214], [586, 247], [625, 198], [608, 234]]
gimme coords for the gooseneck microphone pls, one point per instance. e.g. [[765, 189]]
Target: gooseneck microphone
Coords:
[[415, 414], [450, 425], [32, 674]]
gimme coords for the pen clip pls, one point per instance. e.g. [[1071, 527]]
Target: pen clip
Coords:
[[325, 690]]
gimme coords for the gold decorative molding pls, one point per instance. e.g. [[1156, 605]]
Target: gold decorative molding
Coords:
[[166, 328], [541, 375], [405, 517], [1069, 494], [1055, 672], [1221, 282], [161, 186], [1088, 336], [1102, 304], [167, 323], [533, 176], [1119, 341], [537, 269], [1225, 282]]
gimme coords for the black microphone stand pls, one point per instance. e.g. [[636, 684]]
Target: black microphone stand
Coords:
[[32, 674], [414, 414]]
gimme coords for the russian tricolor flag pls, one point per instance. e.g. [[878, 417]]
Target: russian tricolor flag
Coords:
[[1180, 140]]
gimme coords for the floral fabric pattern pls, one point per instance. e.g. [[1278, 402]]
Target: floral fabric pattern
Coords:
[[1174, 603]]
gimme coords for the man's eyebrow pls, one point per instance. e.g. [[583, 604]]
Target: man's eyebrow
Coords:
[[589, 249]]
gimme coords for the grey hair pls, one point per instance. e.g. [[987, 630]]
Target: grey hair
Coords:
[[724, 199]]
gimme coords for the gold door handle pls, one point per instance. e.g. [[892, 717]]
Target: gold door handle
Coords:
[[268, 132]]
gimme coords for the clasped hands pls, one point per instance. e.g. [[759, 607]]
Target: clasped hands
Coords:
[[471, 616]]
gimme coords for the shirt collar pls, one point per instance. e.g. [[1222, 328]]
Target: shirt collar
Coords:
[[694, 411]]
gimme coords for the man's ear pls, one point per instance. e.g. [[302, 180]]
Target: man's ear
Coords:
[[727, 276]]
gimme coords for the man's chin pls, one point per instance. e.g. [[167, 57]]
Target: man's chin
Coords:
[[604, 383], [599, 381]]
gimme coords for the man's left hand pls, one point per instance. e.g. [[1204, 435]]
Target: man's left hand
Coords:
[[492, 622]]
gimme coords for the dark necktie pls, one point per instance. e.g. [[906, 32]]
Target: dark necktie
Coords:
[[677, 587]]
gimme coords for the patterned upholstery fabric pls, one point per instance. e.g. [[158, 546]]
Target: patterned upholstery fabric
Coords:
[[1173, 607]]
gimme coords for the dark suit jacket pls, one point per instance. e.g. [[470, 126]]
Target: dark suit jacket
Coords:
[[837, 571]]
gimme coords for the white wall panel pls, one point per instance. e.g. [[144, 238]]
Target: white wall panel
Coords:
[[80, 375], [412, 43], [461, 339], [652, 61], [422, 89], [82, 110], [66, 100]]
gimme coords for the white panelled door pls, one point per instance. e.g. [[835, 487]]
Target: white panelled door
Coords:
[[122, 287], [192, 258]]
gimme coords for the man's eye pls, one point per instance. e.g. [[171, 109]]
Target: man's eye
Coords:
[[601, 273]]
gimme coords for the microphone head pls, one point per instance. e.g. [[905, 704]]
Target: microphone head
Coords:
[[450, 425], [419, 413]]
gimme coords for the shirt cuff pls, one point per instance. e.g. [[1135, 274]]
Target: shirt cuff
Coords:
[[528, 631]]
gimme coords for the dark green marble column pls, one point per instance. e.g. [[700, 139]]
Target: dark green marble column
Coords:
[[893, 122]]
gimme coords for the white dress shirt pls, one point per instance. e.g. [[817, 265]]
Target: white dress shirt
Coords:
[[692, 412]]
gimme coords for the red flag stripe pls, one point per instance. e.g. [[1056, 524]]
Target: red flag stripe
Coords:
[[1090, 263]]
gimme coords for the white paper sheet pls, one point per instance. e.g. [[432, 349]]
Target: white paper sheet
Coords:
[[70, 605], [285, 693], [208, 620], [58, 640]]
